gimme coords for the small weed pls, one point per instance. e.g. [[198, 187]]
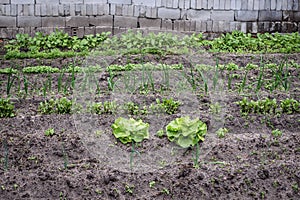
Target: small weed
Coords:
[[165, 191], [276, 133], [6, 108], [49, 132], [129, 189], [222, 132], [295, 187], [152, 184], [160, 133]]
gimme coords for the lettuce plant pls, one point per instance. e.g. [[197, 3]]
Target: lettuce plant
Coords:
[[186, 132], [130, 130]]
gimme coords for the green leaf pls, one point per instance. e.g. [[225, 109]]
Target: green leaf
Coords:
[[186, 132], [128, 130]]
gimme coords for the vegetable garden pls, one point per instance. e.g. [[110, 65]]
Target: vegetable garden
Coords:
[[145, 115]]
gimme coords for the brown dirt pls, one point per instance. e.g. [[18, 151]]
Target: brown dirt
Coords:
[[249, 163]]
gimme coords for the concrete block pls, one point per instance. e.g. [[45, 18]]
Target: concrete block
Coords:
[[53, 21], [167, 3], [103, 9], [175, 3], [244, 5], [7, 10], [215, 26], [209, 25], [49, 9], [246, 15], [181, 4], [262, 5], [183, 14], [8, 33], [4, 1], [20, 10], [233, 26], [244, 27], [290, 4], [7, 21], [95, 9], [22, 1], [250, 4], [256, 5], [284, 5], [101, 29], [226, 26], [289, 27], [55, 12], [201, 26], [270, 15], [187, 4], [151, 12], [216, 4], [89, 9], [296, 6], [222, 15], [232, 5], [150, 3], [70, 1], [273, 4], [267, 5], [120, 1], [222, 4], [29, 21], [13, 10], [238, 4], [89, 30], [166, 24], [150, 23], [199, 15], [43, 10], [158, 3], [61, 11], [207, 4], [77, 21], [198, 4], [227, 4], [125, 22], [291, 16], [279, 4], [254, 27], [127, 10], [66, 9], [193, 4], [47, 2], [179, 25], [167, 13], [105, 20], [72, 9], [94, 1], [139, 11]]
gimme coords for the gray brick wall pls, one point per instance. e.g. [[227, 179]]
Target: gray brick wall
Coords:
[[94, 16]]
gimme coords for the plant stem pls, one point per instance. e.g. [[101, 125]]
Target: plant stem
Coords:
[[196, 163], [131, 155]]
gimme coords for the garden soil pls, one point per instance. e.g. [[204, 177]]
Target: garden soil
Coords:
[[249, 163]]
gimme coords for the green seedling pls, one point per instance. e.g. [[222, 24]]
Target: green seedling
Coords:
[[152, 184], [49, 132], [160, 133], [276, 133], [6, 108], [222, 132], [187, 133], [130, 131]]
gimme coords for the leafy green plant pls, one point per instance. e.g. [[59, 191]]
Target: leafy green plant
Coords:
[[49, 132], [130, 130], [290, 106], [169, 105], [40, 69], [221, 132], [276, 133], [186, 132], [6, 108], [59, 106]]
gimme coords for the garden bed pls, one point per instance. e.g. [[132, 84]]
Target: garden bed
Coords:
[[249, 103]]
